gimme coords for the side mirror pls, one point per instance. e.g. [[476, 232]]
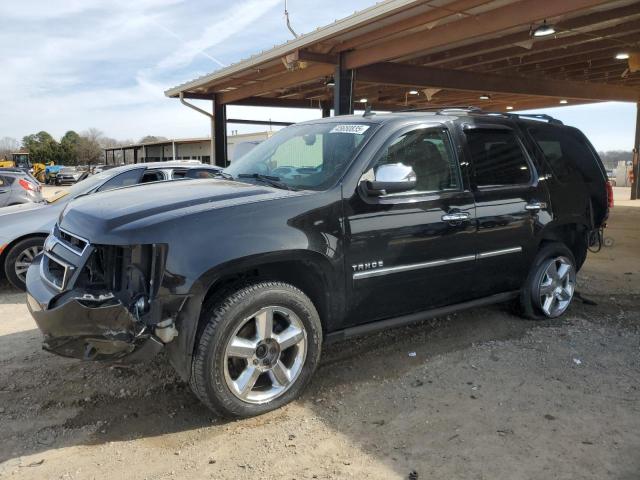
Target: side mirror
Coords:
[[390, 178]]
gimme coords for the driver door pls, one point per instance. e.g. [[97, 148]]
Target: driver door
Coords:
[[411, 251]]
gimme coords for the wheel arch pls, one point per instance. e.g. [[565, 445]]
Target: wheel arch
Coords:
[[573, 235], [13, 243], [311, 272]]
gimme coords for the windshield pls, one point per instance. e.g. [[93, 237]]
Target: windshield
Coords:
[[309, 156], [85, 185]]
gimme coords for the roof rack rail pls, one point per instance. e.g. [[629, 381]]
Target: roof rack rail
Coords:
[[471, 109], [466, 108], [537, 116]]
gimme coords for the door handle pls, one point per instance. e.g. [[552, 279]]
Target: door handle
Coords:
[[455, 217], [534, 206]]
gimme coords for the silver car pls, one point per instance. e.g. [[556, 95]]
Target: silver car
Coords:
[[68, 175], [24, 227], [18, 187]]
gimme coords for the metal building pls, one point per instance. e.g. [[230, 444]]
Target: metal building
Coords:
[[177, 149]]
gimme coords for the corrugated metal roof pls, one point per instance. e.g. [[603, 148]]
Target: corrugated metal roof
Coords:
[[323, 33]]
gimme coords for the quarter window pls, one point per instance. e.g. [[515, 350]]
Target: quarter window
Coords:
[[566, 152], [428, 152], [498, 158]]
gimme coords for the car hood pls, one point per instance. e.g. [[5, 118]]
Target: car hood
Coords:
[[21, 208], [28, 219], [97, 217]]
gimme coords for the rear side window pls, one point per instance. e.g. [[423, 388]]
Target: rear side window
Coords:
[[565, 152], [498, 158], [3, 181], [152, 176], [129, 177], [201, 173]]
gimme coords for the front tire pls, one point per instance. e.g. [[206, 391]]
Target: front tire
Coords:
[[257, 351], [550, 285], [19, 258]]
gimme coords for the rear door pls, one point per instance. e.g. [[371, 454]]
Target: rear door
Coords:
[[510, 201], [411, 251], [576, 174]]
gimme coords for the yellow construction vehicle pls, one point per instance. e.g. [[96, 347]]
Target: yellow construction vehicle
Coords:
[[21, 160]]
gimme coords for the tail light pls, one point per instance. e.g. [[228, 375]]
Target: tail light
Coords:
[[609, 195], [28, 185]]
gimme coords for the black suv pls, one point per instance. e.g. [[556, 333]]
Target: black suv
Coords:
[[330, 228]]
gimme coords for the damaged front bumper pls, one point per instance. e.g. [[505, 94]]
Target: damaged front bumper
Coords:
[[87, 326]]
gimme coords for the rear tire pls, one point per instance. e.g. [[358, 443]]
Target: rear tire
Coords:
[[550, 285], [257, 350], [18, 259]]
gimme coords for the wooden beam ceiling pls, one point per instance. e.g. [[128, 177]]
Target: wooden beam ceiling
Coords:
[[509, 42], [288, 79], [422, 20], [521, 13], [402, 74]]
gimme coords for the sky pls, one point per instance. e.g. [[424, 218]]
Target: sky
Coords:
[[76, 64]]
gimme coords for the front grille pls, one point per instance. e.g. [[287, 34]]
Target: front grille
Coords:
[[55, 271], [64, 255], [78, 244]]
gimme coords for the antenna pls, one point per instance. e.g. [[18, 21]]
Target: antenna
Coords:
[[286, 17]]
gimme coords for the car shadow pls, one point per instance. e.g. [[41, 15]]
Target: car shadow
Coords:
[[52, 402]]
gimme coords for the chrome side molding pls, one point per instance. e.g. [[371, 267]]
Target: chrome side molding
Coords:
[[434, 263]]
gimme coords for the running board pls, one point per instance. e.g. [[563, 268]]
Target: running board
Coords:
[[416, 317]]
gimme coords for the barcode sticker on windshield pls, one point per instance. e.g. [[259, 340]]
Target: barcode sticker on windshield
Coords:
[[357, 129]]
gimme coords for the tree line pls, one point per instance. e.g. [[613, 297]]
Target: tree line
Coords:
[[612, 157], [85, 148]]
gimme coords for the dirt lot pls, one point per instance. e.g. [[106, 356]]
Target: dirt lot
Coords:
[[478, 395]]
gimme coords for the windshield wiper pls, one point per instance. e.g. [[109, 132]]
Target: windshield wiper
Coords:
[[270, 180], [225, 175]]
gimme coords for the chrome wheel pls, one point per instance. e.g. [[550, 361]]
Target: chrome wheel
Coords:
[[265, 355], [23, 261], [557, 286]]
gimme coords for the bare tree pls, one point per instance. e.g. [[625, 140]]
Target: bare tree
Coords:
[[8, 145], [90, 147]]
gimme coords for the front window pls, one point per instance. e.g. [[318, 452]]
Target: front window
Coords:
[[308, 157], [429, 153]]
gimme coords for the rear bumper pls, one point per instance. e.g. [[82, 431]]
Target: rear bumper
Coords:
[[79, 326]]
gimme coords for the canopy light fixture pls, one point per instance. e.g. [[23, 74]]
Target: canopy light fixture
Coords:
[[485, 97], [543, 30], [330, 83], [413, 92], [509, 107], [563, 101], [622, 56], [363, 100]]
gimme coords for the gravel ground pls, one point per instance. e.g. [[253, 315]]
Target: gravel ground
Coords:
[[477, 395]]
